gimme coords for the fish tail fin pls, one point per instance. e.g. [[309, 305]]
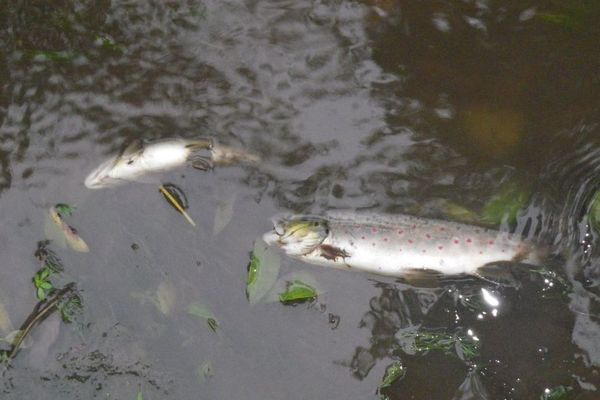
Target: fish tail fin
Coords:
[[226, 155], [200, 153]]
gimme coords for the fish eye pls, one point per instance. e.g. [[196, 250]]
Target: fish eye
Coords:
[[278, 228]]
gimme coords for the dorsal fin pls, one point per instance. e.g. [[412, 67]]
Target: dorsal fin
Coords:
[[133, 147]]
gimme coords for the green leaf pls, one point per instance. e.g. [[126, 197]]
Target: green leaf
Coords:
[[506, 203], [593, 215], [461, 214], [563, 20], [296, 291], [64, 209], [393, 372], [464, 347], [41, 294], [46, 285], [262, 271], [139, 396], [557, 393]]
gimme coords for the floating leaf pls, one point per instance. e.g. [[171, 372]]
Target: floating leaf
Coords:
[[64, 209], [262, 271], [505, 204], [297, 291], [201, 311], [393, 372], [177, 199], [283, 284], [223, 215]]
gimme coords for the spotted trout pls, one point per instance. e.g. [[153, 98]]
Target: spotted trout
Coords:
[[396, 245]]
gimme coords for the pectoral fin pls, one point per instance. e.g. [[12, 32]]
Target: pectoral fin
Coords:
[[506, 274], [200, 156]]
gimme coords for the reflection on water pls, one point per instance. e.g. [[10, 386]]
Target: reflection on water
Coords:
[[386, 105]]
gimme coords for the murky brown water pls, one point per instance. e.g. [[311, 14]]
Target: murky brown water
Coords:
[[390, 106]]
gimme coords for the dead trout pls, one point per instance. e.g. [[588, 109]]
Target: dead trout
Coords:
[[396, 245]]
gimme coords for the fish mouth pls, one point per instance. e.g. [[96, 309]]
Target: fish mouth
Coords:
[[99, 178], [297, 235]]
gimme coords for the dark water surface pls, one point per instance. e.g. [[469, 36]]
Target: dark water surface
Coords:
[[391, 106]]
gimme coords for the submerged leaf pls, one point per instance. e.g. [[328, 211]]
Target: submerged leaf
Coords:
[[205, 371], [5, 323], [464, 347], [166, 295], [262, 271], [199, 310], [563, 20], [393, 372], [461, 214], [506, 203], [593, 215], [223, 215], [557, 393], [297, 291]]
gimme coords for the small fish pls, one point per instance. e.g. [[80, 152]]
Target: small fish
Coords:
[[396, 245], [139, 160]]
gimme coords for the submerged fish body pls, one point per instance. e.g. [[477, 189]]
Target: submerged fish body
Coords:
[[140, 160], [396, 245]]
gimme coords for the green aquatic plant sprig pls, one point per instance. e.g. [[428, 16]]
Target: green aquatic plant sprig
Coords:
[[465, 347], [42, 285]]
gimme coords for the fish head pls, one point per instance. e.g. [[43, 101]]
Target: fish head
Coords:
[[297, 234], [100, 177], [129, 165]]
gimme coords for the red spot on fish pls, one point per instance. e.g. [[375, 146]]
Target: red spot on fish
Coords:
[[440, 247], [455, 241], [400, 232], [428, 236], [469, 240], [374, 230], [410, 241], [491, 242], [385, 239], [414, 226]]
